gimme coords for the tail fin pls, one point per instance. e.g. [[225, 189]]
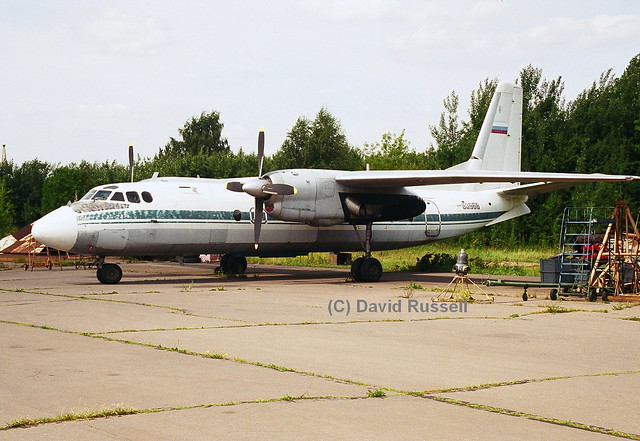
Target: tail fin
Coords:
[[499, 141]]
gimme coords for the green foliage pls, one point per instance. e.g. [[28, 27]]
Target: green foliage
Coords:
[[447, 135], [376, 393], [65, 184], [435, 263], [319, 144], [7, 212], [200, 136], [393, 153], [25, 186], [221, 165]]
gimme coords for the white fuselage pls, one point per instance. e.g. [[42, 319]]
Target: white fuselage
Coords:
[[187, 216]]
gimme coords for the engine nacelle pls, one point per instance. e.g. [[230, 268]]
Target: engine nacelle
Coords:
[[316, 201]]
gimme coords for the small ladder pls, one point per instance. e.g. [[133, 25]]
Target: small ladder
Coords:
[[580, 228]]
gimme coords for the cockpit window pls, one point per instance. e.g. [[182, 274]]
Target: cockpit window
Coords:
[[146, 196], [87, 196], [101, 195], [132, 196], [117, 196]]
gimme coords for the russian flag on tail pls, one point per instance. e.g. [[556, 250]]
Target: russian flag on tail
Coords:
[[501, 130]]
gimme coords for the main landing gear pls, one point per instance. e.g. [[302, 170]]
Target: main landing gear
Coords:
[[108, 273], [230, 264], [367, 268]]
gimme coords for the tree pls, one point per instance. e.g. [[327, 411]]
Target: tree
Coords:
[[7, 212], [320, 143], [25, 185], [200, 135], [446, 134], [392, 153], [63, 185]]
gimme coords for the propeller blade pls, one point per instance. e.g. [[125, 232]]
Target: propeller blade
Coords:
[[260, 151], [257, 222], [131, 161], [279, 189], [235, 186]]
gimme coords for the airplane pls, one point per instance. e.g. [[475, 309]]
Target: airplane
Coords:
[[298, 211]]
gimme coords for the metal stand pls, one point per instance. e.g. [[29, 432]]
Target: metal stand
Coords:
[[459, 289]]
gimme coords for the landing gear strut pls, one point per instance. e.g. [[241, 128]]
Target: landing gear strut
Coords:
[[230, 264], [108, 273], [367, 268]]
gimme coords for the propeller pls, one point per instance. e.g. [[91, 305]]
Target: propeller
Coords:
[[261, 189], [131, 161]]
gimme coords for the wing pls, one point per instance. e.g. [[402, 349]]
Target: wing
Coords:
[[541, 181]]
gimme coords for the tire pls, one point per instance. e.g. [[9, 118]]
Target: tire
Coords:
[[370, 270], [109, 274], [237, 265], [355, 268], [525, 297], [553, 295], [592, 294], [224, 263]]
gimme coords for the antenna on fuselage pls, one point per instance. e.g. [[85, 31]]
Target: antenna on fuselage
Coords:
[[131, 161]]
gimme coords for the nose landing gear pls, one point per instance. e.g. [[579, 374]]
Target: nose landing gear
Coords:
[[108, 273]]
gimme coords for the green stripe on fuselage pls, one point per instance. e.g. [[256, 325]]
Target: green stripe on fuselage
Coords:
[[217, 215], [159, 214]]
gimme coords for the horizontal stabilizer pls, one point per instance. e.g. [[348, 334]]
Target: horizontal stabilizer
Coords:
[[518, 211]]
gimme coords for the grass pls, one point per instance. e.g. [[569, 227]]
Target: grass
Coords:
[[376, 393], [485, 260], [70, 416], [621, 306], [556, 309], [187, 288], [410, 288]]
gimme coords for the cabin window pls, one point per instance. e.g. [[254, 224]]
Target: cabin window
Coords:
[[101, 195], [117, 196], [132, 196], [88, 195], [146, 196]]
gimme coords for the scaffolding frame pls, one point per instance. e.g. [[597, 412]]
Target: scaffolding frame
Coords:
[[616, 271]]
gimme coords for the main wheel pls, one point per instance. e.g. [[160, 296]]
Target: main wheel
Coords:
[[236, 265], [370, 270], [355, 268], [109, 274], [224, 263], [553, 295], [592, 294]]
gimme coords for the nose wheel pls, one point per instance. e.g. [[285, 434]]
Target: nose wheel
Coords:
[[367, 268], [109, 273]]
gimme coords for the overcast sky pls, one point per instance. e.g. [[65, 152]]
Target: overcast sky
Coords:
[[80, 80]]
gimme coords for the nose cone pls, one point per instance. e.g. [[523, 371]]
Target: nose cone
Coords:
[[58, 229]]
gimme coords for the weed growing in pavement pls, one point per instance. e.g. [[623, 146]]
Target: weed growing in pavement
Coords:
[[376, 393]]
